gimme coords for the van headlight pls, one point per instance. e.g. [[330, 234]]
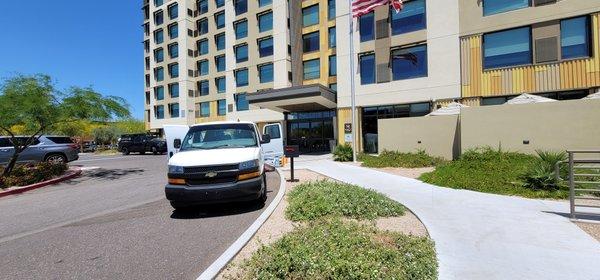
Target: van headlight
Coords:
[[174, 169], [249, 165]]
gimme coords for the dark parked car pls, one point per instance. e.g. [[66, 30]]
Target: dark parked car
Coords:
[[89, 146], [141, 143], [57, 149]]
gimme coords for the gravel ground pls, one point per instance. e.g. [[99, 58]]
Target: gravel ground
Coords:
[[592, 229], [277, 226]]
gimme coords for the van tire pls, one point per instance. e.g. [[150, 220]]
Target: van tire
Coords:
[[154, 151], [125, 151]]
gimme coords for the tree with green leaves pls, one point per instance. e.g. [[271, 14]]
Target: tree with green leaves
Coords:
[[32, 104]]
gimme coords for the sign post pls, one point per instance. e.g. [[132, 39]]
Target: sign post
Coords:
[[292, 151]]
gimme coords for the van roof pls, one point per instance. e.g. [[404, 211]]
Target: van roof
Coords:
[[222, 122]]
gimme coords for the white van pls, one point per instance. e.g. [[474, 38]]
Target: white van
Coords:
[[215, 163]]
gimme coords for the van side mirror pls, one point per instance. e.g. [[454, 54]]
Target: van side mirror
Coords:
[[177, 143], [266, 139]]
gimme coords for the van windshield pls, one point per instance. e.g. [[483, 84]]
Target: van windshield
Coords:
[[220, 136]]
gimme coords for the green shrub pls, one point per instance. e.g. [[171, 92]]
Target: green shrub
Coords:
[[490, 171], [542, 174], [398, 159], [313, 200], [343, 153], [344, 250], [28, 174]]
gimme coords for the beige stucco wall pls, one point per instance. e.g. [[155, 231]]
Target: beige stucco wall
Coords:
[[438, 135], [547, 126]]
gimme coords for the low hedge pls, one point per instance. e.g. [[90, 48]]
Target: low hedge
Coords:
[[27, 174], [398, 159]]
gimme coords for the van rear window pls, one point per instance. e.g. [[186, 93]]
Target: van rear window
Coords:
[[61, 140]]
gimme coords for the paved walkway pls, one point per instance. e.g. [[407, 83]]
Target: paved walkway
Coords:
[[485, 236]]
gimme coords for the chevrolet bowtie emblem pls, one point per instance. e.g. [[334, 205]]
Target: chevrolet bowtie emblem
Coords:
[[211, 174]]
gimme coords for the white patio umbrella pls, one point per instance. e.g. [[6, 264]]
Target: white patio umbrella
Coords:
[[593, 96], [528, 99], [452, 109]]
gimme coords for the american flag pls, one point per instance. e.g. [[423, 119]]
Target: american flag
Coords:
[[361, 7]]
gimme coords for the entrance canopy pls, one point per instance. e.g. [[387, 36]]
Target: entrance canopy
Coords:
[[528, 99], [452, 109], [295, 99]]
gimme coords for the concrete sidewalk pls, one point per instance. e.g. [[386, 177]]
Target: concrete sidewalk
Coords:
[[485, 236]]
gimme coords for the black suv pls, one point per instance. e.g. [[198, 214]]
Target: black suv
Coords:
[[141, 143]]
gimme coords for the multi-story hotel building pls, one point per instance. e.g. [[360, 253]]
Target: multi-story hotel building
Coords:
[[289, 61]]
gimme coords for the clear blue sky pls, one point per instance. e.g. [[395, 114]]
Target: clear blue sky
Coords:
[[78, 43]]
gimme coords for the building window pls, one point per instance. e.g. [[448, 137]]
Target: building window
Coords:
[[173, 11], [507, 48], [221, 107], [333, 87], [203, 26], [221, 85], [241, 77], [265, 22], [310, 15], [331, 9], [265, 73], [174, 90], [367, 69], [174, 110], [491, 7], [203, 87], [159, 74], [159, 55], [409, 63], [575, 37], [262, 3], [159, 93], [332, 65], [173, 50], [173, 31], [220, 20], [219, 3], [220, 41], [159, 37], [202, 6], [241, 29], [367, 27], [495, 100], [158, 3], [203, 46], [220, 63], [332, 37], [265, 47], [205, 109], [174, 70], [241, 103], [312, 69], [411, 18], [203, 67], [159, 18], [241, 6], [241, 53], [310, 42], [159, 112], [146, 46]]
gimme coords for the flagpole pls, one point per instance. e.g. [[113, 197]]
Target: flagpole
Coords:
[[352, 83]]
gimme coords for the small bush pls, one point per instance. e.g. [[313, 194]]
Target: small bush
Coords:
[[313, 200], [344, 250], [343, 153], [398, 159], [27, 174], [542, 174]]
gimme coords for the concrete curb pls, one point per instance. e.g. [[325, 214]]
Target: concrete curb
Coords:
[[218, 265], [70, 174]]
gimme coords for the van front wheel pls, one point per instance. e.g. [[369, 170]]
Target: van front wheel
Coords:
[[263, 195]]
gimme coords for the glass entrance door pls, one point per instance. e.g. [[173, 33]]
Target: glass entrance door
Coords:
[[311, 131]]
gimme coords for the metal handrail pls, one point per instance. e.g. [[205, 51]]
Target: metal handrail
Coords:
[[590, 164]]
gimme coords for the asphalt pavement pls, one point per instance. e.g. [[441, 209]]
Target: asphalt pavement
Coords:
[[113, 222]]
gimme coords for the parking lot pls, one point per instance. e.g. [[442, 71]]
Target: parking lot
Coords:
[[114, 222]]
